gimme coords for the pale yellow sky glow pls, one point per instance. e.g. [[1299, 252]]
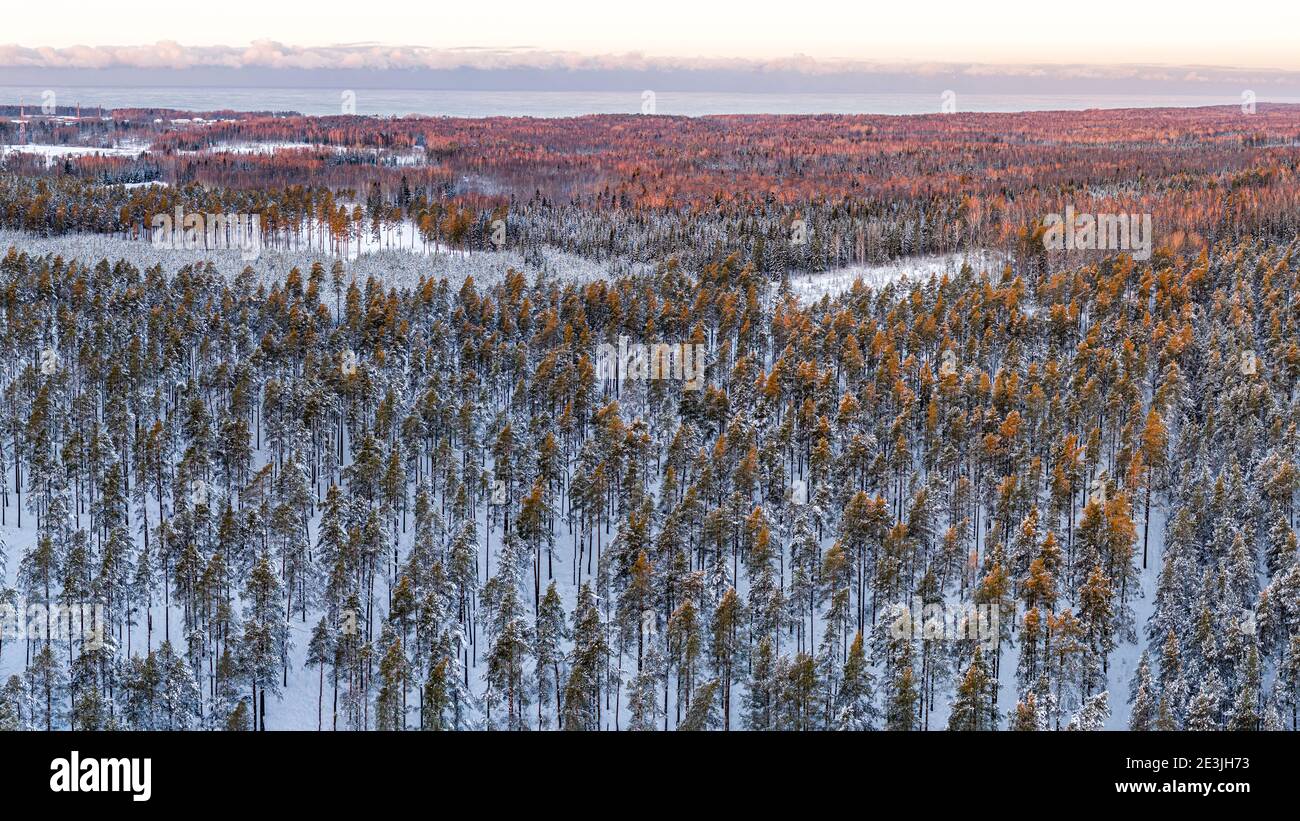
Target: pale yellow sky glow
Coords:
[[1245, 33]]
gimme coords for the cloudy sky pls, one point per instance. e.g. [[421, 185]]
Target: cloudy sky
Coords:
[[1254, 33], [1108, 41]]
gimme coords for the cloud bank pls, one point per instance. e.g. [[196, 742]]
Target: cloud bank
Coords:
[[267, 61]]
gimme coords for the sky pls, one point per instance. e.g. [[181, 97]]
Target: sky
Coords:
[[1245, 33]]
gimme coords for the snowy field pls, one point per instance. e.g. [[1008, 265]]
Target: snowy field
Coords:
[[400, 259], [812, 287], [397, 264], [54, 153]]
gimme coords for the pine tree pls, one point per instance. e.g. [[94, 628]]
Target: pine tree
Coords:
[[509, 635], [972, 708], [90, 711], [390, 706], [265, 637], [1029, 715], [581, 692], [892, 644], [1203, 712], [725, 647], [239, 718], [436, 698], [13, 712], [550, 634], [1165, 719], [46, 685], [320, 652], [1093, 714], [684, 647], [643, 696], [1096, 615], [178, 693], [762, 696], [856, 708], [703, 713], [1246, 713], [799, 698], [227, 696], [1142, 698]]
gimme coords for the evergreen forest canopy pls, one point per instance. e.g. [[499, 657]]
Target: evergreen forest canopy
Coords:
[[1059, 493]]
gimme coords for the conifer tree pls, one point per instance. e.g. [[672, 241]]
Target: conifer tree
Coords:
[[582, 691], [1203, 712], [972, 708], [1142, 698], [1092, 715], [390, 704], [856, 707], [265, 639], [46, 685], [320, 652], [550, 635], [703, 714]]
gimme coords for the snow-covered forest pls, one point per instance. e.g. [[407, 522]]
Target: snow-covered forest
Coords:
[[429, 459], [972, 501], [618, 189]]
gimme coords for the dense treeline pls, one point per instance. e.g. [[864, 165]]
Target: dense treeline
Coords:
[[435, 508], [853, 189]]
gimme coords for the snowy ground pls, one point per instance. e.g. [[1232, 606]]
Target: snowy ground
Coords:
[[398, 256], [385, 156], [258, 148], [396, 264], [54, 153], [812, 287]]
